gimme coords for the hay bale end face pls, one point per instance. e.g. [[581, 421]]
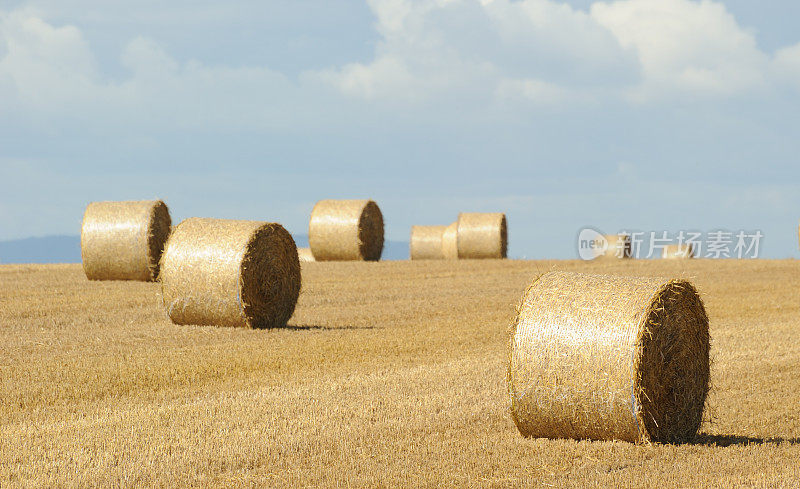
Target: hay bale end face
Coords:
[[230, 273], [426, 242], [482, 235], [346, 230], [305, 254], [450, 242], [124, 240], [605, 357], [678, 252]]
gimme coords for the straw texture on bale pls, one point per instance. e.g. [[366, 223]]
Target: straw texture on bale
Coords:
[[230, 273], [482, 235], [605, 357], [346, 230], [124, 240], [619, 246], [450, 242], [426, 242], [678, 252], [305, 254]]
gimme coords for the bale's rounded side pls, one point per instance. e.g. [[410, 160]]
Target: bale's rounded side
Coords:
[[346, 230], [124, 240], [604, 357], [230, 273], [426, 242], [678, 252], [305, 254], [482, 235], [450, 242]]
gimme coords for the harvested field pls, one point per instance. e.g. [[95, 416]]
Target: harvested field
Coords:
[[389, 374]]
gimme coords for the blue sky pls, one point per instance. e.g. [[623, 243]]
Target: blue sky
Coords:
[[627, 114]]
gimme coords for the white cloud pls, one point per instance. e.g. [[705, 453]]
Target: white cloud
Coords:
[[468, 54], [685, 45], [645, 49]]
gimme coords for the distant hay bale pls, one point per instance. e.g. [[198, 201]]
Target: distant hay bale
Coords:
[[450, 242], [124, 240], [305, 254], [604, 357], [482, 235], [619, 246], [678, 252], [346, 230], [426, 242], [230, 273]]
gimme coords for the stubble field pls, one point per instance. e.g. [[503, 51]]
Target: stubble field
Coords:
[[389, 374]]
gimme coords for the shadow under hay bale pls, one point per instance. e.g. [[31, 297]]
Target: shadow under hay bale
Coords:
[[482, 235], [346, 230], [604, 357], [678, 252], [426, 242], [230, 273], [124, 240], [304, 254], [450, 242]]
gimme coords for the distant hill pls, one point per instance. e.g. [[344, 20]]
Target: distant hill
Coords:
[[67, 249]]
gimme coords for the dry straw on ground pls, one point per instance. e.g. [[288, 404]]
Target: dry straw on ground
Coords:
[[678, 252], [230, 273], [450, 242], [124, 240], [482, 235], [426, 242], [346, 230], [304, 254], [619, 246], [605, 357]]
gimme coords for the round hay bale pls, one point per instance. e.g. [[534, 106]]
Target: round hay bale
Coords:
[[230, 273], [604, 357], [124, 240], [346, 230], [482, 235], [619, 246], [305, 254], [678, 252], [426, 243], [450, 242]]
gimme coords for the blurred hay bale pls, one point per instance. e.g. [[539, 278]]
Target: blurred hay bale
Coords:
[[482, 235], [426, 242], [304, 254], [450, 242], [124, 240], [604, 357], [230, 273], [619, 246], [346, 230], [678, 252]]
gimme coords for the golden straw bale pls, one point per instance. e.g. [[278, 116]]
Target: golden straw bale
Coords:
[[450, 242], [230, 273], [605, 357], [305, 254], [346, 230], [678, 252], [619, 246], [482, 235], [124, 240], [426, 242]]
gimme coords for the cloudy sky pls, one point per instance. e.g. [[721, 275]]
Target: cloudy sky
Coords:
[[626, 114]]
